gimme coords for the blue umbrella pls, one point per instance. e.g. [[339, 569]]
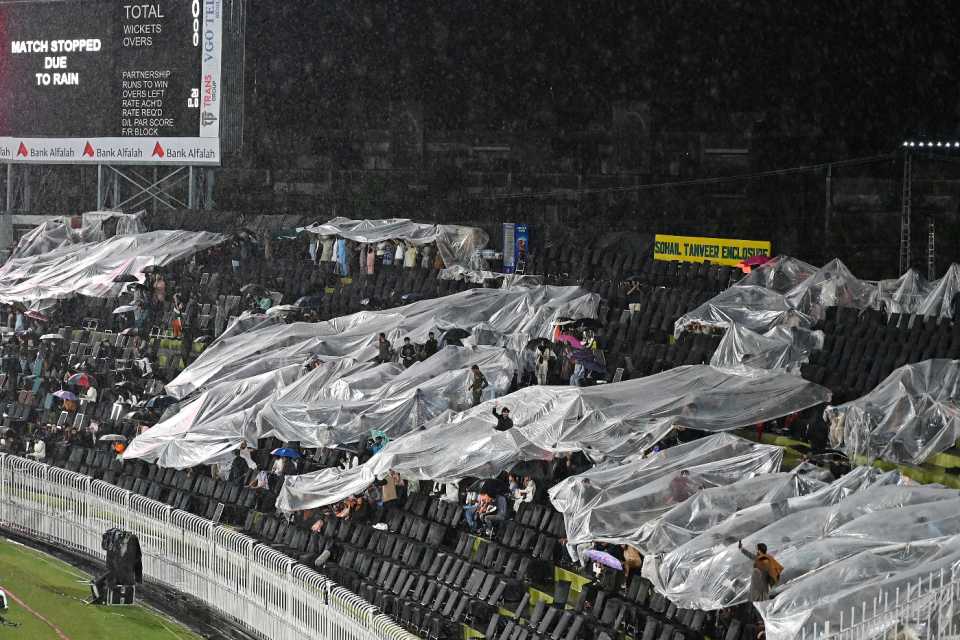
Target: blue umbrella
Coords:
[[65, 395], [161, 402], [285, 452]]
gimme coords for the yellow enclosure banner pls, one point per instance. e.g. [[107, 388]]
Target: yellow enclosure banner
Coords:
[[716, 250]]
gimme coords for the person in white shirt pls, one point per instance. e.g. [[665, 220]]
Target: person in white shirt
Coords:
[[91, 395], [39, 450], [525, 494]]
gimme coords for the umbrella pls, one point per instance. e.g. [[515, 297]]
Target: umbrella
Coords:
[[570, 340], [282, 309], [412, 297], [65, 395], [51, 336], [124, 308], [250, 288], [125, 277], [588, 323], [494, 487], [36, 315], [604, 558], [132, 331], [538, 342], [285, 452], [81, 379], [310, 302], [136, 285], [161, 402], [453, 337], [113, 437], [123, 384], [756, 261], [562, 321]]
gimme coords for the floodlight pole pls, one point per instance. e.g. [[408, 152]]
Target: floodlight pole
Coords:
[[931, 249], [905, 210]]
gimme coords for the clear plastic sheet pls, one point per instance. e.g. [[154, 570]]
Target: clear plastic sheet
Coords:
[[749, 306], [886, 574], [458, 246], [520, 313], [710, 507], [711, 573], [747, 352], [326, 410], [56, 233], [89, 268], [833, 285], [611, 502], [781, 274], [607, 422], [910, 416], [207, 429]]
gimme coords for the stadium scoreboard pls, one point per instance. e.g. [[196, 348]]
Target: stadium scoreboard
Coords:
[[110, 81]]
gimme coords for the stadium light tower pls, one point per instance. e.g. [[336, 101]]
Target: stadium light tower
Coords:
[[909, 147]]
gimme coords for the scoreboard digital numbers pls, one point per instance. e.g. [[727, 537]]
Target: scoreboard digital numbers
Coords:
[[110, 81]]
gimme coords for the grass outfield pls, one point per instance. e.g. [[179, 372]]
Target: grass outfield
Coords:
[[55, 591]]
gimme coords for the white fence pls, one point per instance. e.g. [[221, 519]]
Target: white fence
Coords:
[[927, 607], [266, 592]]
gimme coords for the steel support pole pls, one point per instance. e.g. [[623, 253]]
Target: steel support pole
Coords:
[[906, 204], [9, 207], [191, 188], [99, 187]]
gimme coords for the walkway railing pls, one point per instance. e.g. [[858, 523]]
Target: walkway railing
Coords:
[[263, 590]]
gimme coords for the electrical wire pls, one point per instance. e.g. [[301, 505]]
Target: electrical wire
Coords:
[[693, 182]]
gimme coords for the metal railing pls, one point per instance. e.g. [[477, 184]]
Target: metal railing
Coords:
[[925, 607], [264, 591]]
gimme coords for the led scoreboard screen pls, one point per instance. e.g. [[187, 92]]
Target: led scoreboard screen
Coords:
[[110, 81]]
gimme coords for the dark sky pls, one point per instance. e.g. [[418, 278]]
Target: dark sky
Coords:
[[864, 74]]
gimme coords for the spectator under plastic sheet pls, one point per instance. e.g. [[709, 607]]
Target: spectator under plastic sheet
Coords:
[[713, 574], [883, 574], [709, 507], [518, 313], [320, 412], [607, 421], [96, 226], [747, 352], [755, 308], [206, 429], [611, 502], [781, 274], [457, 245], [910, 416], [833, 285], [89, 268]]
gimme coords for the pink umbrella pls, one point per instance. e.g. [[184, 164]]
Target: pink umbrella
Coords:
[[570, 340], [756, 261]]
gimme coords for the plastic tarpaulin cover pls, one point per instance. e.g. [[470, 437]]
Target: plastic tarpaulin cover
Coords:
[[715, 574], [709, 507], [457, 245], [785, 348], [611, 502], [910, 416], [56, 233], [520, 313], [320, 411], [207, 428], [89, 268], [610, 421], [884, 574]]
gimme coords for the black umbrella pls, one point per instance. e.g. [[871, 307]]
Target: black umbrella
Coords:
[[161, 402], [536, 469], [537, 342], [587, 323], [250, 288], [126, 277], [309, 302], [454, 337], [494, 487]]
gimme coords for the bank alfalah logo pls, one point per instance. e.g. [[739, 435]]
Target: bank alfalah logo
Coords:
[[207, 119]]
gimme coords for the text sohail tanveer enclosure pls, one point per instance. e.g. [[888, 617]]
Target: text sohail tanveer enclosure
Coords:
[[726, 251]]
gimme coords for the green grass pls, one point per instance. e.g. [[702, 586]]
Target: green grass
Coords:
[[56, 591]]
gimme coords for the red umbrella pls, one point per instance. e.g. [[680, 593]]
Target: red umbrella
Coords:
[[36, 315], [756, 261], [80, 379]]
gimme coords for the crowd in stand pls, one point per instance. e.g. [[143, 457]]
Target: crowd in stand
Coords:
[[80, 381]]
